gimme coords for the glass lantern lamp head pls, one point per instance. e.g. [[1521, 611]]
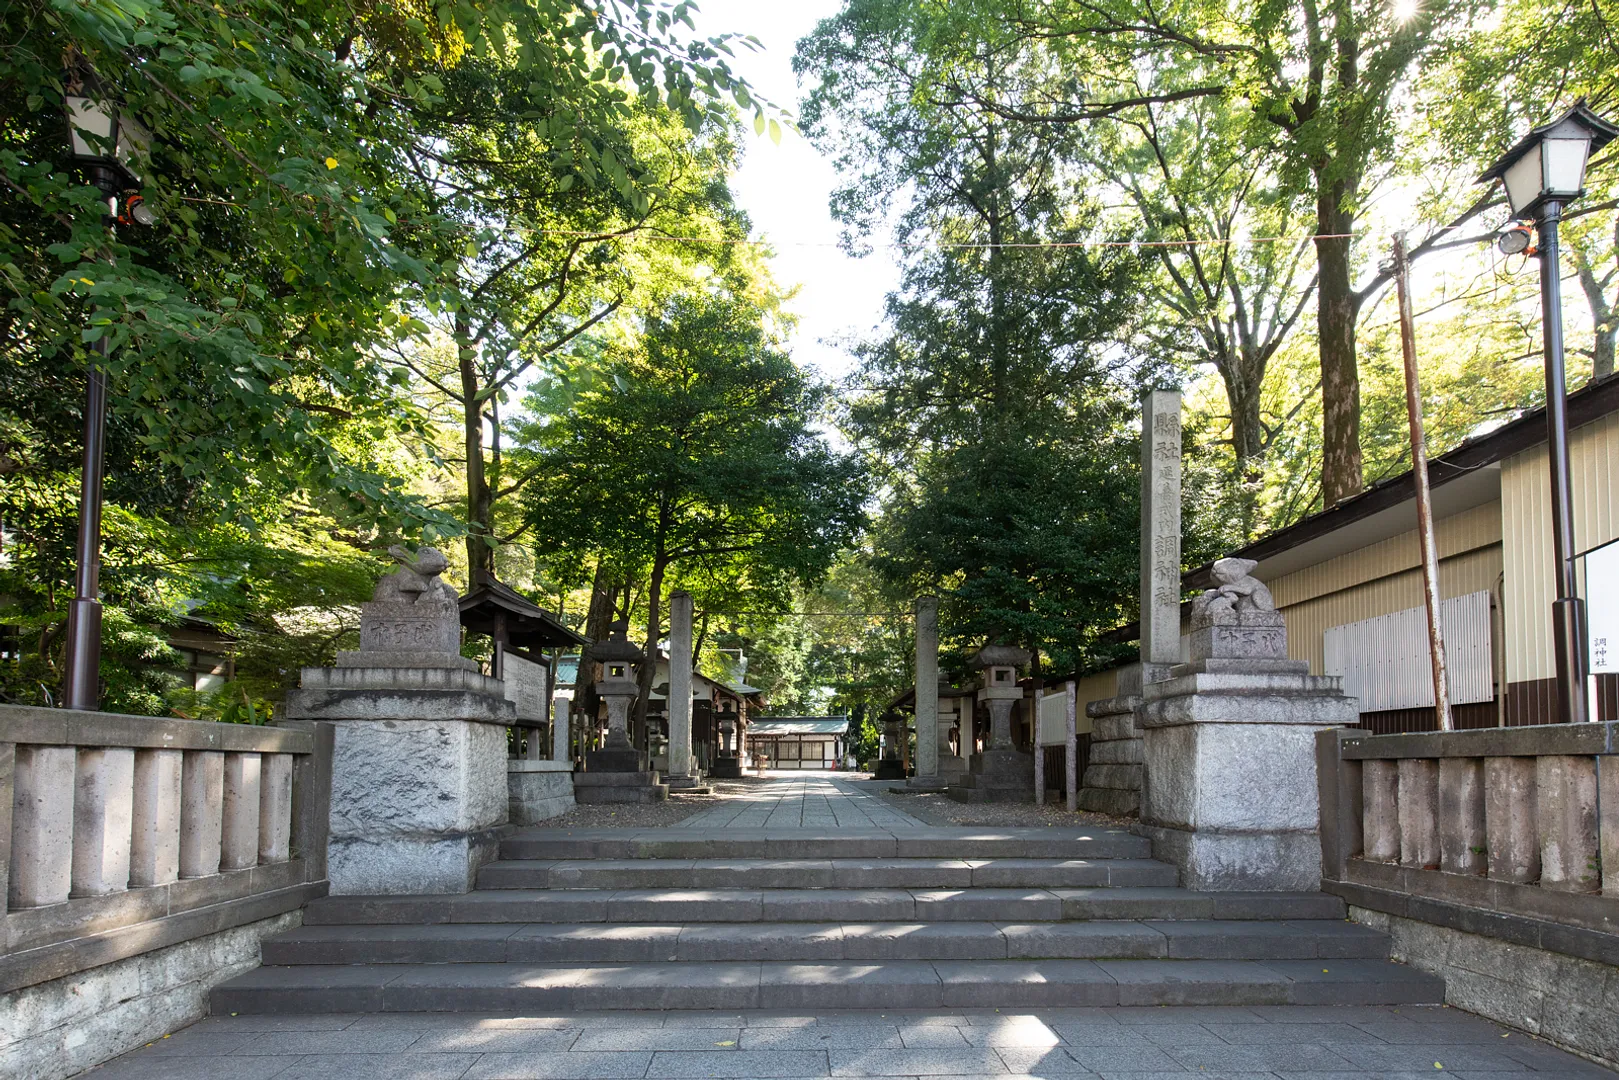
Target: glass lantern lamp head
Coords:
[[1548, 164], [103, 137]]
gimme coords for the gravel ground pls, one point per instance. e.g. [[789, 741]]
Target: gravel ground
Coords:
[[638, 816], [936, 809]]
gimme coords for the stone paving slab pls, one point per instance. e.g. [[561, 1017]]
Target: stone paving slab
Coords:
[[1158, 1043]]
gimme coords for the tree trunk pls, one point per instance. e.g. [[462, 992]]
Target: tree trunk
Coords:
[[1604, 319], [1336, 310], [1243, 381], [649, 669], [603, 602], [480, 556]]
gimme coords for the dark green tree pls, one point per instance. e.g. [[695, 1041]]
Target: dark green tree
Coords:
[[692, 459]]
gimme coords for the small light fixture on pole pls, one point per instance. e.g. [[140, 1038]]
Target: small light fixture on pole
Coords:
[[1542, 174], [102, 140]]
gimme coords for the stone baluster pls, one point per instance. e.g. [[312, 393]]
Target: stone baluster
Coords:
[[1381, 831], [154, 851], [1461, 815], [1608, 826], [8, 776], [275, 807], [42, 826], [202, 798], [239, 814], [103, 790], [1419, 812], [1510, 831], [1567, 791]]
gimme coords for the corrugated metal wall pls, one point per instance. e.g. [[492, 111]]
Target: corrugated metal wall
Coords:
[[1308, 621], [1384, 660], [1527, 536]]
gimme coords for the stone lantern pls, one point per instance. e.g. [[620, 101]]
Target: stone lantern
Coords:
[[953, 765], [728, 766], [1001, 773], [892, 764], [617, 773]]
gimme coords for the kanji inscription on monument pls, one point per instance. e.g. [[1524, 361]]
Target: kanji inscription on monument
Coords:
[[1160, 527]]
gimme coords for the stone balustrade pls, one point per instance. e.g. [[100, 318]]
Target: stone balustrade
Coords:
[[1521, 822], [123, 834]]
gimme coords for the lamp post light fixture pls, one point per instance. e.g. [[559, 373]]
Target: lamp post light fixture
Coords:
[[1542, 174], [102, 139]]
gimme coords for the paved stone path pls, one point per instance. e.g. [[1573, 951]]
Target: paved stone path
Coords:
[[813, 801], [1260, 1043]]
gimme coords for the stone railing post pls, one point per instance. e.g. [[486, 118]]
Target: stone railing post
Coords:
[[1381, 836], [1462, 845], [1567, 790], [1419, 812], [1340, 787]]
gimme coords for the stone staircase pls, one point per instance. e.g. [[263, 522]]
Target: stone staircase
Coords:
[[799, 919]]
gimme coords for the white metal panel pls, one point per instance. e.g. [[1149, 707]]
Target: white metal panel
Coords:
[[1384, 661], [1054, 718]]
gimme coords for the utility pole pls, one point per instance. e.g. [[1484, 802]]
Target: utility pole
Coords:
[[1419, 479]]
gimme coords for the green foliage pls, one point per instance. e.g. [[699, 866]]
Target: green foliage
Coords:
[[996, 406], [262, 439]]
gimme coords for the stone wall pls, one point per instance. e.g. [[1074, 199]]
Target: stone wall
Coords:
[[60, 1028], [539, 789], [1566, 1000]]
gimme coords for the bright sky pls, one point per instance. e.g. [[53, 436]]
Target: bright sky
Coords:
[[784, 189]]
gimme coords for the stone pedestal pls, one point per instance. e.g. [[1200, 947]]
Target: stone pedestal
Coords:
[[1228, 748], [996, 776], [419, 787], [419, 792], [726, 767]]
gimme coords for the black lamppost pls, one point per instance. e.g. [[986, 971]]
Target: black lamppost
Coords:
[[1542, 174], [101, 139]]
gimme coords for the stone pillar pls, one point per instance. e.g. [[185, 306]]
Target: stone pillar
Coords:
[[239, 821], [1462, 846], [275, 808], [154, 856], [1160, 532], [103, 796], [1380, 781], [419, 787], [680, 664], [560, 723], [1567, 816], [1071, 754], [1229, 747], [1511, 832], [1419, 812], [927, 691], [202, 798], [42, 826]]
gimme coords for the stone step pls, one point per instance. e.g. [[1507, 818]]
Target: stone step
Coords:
[[640, 906], [899, 873], [920, 843], [600, 943], [901, 984]]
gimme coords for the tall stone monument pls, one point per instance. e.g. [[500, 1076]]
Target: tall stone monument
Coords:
[[618, 772], [1002, 773], [1229, 746], [682, 771], [419, 789], [931, 744], [1112, 781]]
